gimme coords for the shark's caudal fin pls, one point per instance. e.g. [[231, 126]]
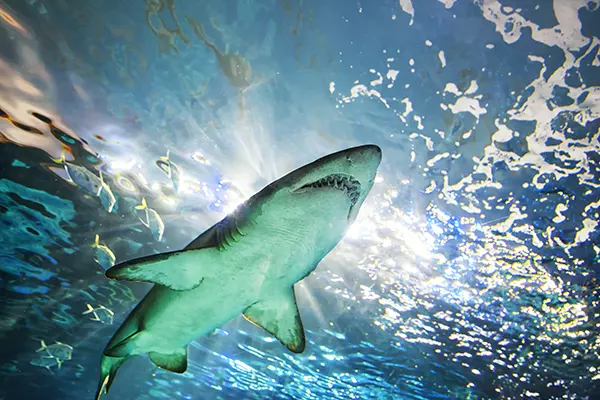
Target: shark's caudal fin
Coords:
[[108, 371], [279, 316]]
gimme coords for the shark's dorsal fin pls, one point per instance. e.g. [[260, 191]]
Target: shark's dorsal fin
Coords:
[[174, 362], [279, 316]]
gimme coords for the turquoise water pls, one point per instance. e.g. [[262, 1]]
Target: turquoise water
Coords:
[[471, 271]]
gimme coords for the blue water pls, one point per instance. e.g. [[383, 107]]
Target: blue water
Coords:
[[471, 271]]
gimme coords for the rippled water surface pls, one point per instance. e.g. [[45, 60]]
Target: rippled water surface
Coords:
[[471, 271]]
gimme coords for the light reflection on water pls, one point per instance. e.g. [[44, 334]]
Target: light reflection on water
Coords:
[[471, 271]]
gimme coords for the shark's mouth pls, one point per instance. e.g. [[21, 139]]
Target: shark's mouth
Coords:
[[346, 184]]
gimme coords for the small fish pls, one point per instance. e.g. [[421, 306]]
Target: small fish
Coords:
[[107, 198], [152, 220], [58, 350], [46, 362], [104, 256], [100, 313], [171, 169], [124, 182], [197, 156], [80, 370], [81, 176]]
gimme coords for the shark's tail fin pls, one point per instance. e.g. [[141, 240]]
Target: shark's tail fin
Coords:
[[108, 371]]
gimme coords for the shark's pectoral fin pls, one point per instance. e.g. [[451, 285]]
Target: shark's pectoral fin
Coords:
[[174, 362], [165, 269], [168, 269], [279, 316]]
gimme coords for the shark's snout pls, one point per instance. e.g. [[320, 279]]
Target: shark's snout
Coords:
[[366, 153], [351, 171], [357, 165], [364, 161]]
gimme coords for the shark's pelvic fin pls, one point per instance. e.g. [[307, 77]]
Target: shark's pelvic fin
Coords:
[[174, 362], [279, 316]]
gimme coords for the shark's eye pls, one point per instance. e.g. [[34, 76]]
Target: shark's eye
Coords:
[[348, 158]]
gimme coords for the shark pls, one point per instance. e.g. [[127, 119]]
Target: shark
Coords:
[[247, 263]]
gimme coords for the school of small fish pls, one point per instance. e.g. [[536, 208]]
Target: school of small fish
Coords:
[[56, 354], [89, 183]]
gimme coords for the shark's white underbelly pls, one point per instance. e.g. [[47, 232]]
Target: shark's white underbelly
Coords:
[[257, 267], [176, 318]]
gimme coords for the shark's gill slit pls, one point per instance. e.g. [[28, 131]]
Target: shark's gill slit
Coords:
[[237, 227], [226, 234], [220, 239], [231, 230]]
